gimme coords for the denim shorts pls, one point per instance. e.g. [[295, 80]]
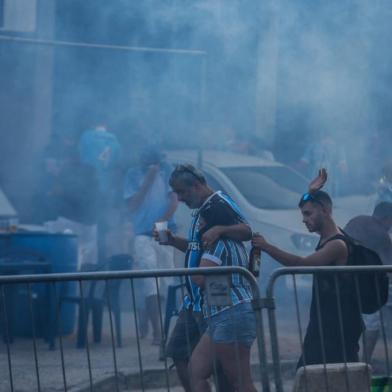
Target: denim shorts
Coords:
[[235, 324]]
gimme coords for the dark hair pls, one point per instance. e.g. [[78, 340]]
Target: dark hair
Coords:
[[217, 212], [188, 174], [383, 210], [318, 197]]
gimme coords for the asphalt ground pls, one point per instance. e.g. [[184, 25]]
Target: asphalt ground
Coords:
[[77, 378], [48, 376]]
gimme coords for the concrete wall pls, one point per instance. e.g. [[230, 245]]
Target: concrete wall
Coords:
[[25, 100]]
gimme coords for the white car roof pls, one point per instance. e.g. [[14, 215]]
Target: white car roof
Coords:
[[219, 158]]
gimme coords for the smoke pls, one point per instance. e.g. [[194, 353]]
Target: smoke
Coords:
[[327, 72], [171, 95], [281, 70]]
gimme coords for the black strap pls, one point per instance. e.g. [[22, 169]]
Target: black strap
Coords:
[[335, 237], [347, 240]]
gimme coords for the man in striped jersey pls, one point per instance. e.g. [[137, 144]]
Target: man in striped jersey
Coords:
[[192, 189]]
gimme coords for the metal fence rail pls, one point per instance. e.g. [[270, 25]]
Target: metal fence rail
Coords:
[[336, 276], [50, 286], [9, 285]]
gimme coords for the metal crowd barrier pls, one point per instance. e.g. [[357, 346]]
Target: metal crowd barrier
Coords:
[[14, 381], [348, 380], [10, 371]]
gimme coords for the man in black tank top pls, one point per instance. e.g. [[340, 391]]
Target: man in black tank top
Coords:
[[334, 326]]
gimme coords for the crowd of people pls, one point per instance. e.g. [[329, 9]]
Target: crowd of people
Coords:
[[81, 195]]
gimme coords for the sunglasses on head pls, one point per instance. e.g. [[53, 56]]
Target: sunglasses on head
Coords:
[[309, 197]]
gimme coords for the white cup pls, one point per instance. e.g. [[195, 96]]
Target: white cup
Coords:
[[161, 228]]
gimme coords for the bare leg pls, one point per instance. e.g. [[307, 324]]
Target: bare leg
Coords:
[[152, 309], [222, 383], [183, 374], [371, 337], [235, 360], [201, 365], [143, 322]]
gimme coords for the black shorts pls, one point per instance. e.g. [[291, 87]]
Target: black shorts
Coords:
[[186, 334]]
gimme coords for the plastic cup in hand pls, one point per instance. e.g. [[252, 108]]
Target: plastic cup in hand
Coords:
[[162, 231]]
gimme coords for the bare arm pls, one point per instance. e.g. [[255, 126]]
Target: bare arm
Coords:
[[177, 242], [136, 200], [171, 209], [334, 252], [238, 232]]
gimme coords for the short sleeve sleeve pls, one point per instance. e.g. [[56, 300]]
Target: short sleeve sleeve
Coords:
[[217, 254]]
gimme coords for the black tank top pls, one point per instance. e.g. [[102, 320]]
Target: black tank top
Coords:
[[328, 288]]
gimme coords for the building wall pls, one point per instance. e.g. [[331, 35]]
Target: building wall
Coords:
[[25, 97]]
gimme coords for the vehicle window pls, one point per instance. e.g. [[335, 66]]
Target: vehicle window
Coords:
[[268, 187], [286, 177]]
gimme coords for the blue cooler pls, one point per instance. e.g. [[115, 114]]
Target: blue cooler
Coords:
[[61, 251]]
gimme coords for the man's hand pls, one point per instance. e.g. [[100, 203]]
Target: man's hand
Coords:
[[319, 181], [170, 237], [258, 241], [211, 236]]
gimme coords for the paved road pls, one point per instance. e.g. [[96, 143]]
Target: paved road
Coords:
[[51, 378], [101, 356]]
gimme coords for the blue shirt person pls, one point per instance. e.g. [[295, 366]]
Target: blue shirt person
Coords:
[[150, 200], [100, 149], [156, 200]]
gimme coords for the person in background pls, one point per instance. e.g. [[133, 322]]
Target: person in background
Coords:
[[232, 328], [329, 346], [69, 197], [150, 200], [192, 189], [101, 150], [373, 232]]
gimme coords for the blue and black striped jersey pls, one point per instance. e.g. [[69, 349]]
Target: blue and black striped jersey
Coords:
[[194, 252]]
